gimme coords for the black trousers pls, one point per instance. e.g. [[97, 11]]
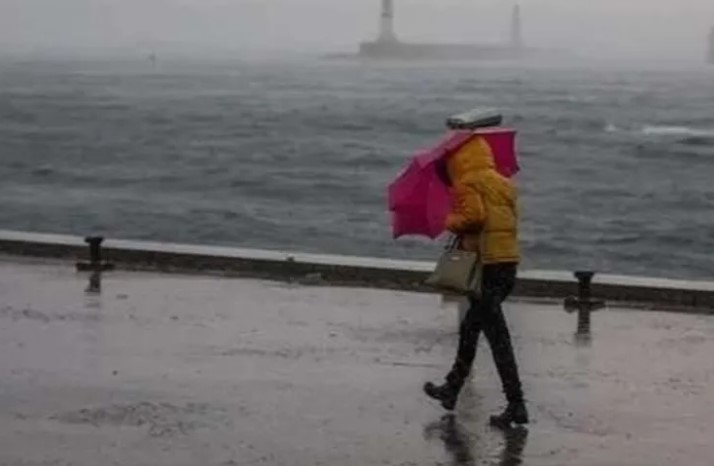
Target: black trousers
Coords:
[[486, 315]]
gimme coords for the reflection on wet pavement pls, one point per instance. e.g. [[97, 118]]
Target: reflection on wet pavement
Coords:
[[95, 283], [461, 445]]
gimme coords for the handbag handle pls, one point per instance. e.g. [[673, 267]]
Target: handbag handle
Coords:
[[454, 243]]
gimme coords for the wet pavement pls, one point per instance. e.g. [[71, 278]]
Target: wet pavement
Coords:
[[178, 370]]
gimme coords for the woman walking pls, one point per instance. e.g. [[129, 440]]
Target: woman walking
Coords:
[[485, 218]]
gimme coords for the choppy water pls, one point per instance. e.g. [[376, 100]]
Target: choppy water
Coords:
[[617, 163]]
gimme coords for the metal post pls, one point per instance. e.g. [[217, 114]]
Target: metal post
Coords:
[[584, 304], [96, 262], [95, 249], [584, 294]]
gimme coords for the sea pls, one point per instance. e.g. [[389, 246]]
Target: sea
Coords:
[[617, 159]]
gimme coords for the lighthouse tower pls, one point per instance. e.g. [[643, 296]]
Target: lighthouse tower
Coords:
[[386, 22], [516, 29], [710, 55]]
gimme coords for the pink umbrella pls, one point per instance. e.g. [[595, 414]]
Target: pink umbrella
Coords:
[[503, 146], [420, 201], [501, 140]]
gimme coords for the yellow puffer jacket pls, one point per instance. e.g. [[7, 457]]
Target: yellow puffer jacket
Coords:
[[485, 211]]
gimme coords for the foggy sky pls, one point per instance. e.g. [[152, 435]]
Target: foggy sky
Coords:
[[651, 28]]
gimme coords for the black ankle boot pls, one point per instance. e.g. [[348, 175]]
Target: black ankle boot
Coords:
[[447, 394], [515, 413]]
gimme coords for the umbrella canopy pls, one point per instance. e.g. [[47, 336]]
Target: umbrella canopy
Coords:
[[503, 146], [419, 199]]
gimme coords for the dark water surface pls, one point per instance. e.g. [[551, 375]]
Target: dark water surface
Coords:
[[617, 163]]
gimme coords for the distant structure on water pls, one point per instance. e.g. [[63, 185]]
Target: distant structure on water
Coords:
[[710, 55], [388, 46]]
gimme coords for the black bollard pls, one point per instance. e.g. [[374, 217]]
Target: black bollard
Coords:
[[584, 321], [585, 280], [95, 263], [584, 304], [95, 249]]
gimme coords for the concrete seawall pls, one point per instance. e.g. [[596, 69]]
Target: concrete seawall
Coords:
[[316, 269]]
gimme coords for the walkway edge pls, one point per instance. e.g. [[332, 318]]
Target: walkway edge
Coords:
[[679, 295]]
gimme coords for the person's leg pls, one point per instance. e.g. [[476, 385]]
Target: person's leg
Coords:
[[499, 338], [469, 332]]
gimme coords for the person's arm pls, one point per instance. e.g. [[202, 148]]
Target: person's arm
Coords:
[[468, 212]]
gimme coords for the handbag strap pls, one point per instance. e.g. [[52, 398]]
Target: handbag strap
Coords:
[[454, 243]]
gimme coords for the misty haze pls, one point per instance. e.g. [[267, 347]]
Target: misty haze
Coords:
[[239, 232], [634, 28]]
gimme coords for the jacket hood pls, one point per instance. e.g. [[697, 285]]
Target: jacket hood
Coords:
[[474, 156]]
